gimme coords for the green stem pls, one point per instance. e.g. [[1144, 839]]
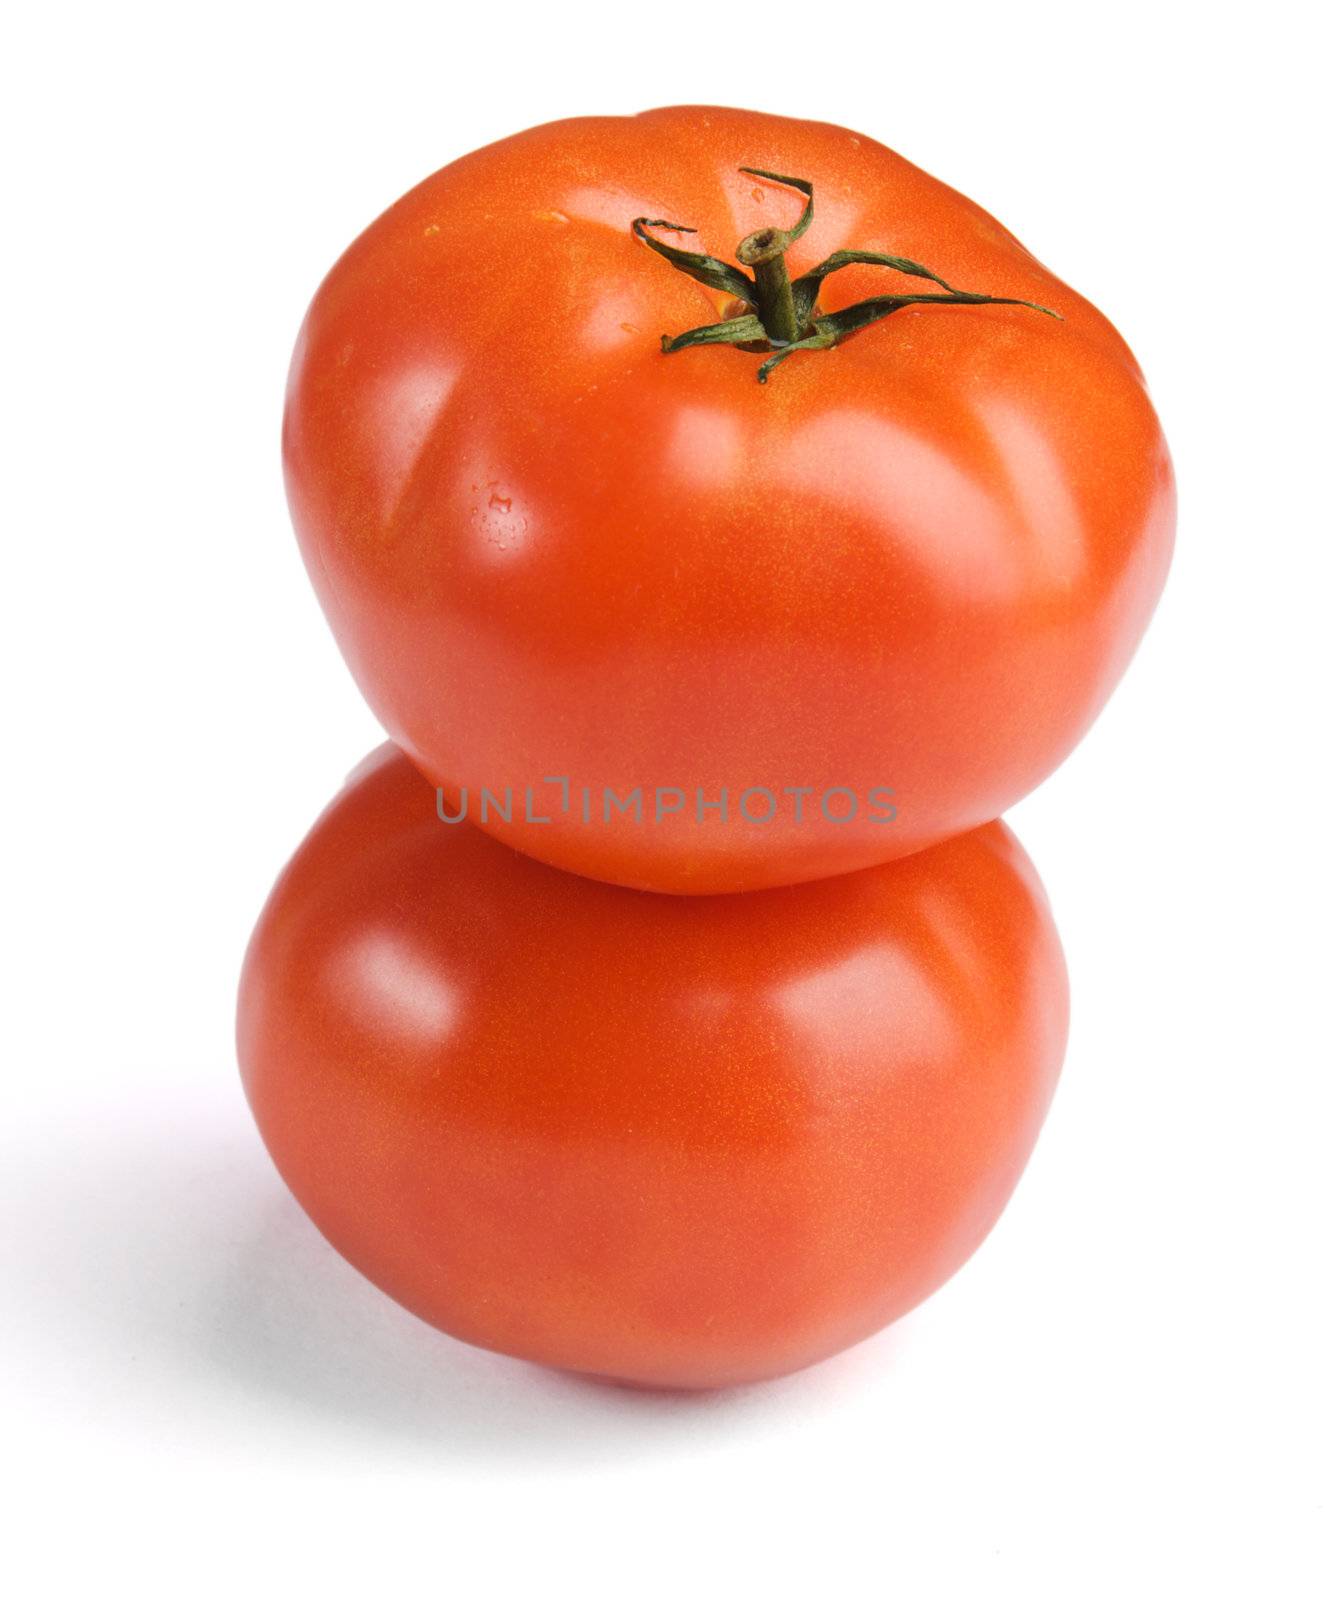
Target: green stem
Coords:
[[765, 253], [785, 314]]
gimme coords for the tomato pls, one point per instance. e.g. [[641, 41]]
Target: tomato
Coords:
[[561, 562], [673, 1141]]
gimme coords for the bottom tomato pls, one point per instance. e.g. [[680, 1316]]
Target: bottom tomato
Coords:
[[676, 1141]]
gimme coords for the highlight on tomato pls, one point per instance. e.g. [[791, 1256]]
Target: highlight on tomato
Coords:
[[841, 491], [676, 1141]]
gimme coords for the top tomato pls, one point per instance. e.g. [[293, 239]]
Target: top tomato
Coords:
[[683, 626]]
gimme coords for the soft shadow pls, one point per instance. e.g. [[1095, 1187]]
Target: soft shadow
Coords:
[[162, 1259]]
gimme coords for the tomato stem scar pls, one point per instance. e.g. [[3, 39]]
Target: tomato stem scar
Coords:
[[784, 314]]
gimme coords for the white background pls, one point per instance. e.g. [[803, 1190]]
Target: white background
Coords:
[[1121, 1394]]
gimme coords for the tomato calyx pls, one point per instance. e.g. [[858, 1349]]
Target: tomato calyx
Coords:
[[782, 314]]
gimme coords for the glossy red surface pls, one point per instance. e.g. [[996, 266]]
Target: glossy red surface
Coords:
[[920, 560], [676, 1141]]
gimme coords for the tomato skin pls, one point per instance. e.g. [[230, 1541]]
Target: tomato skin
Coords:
[[674, 1141], [920, 560]]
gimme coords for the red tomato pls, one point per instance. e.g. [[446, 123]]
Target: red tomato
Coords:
[[671, 1141], [918, 561]]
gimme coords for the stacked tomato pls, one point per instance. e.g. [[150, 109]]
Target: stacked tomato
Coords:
[[667, 1003]]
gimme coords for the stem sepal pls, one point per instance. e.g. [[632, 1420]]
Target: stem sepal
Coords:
[[783, 315]]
